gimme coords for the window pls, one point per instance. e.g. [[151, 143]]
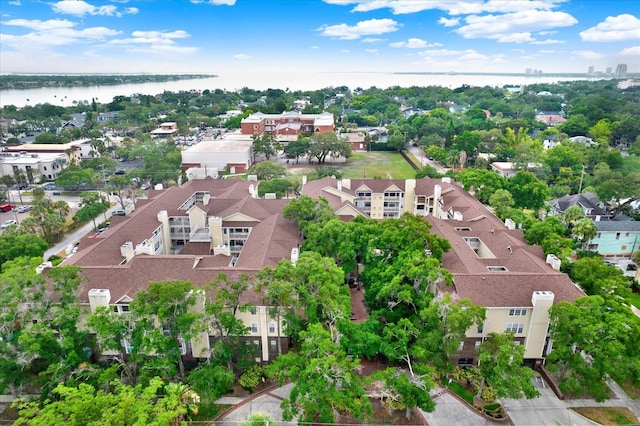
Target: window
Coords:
[[477, 345], [480, 328], [461, 346], [515, 327], [617, 235], [463, 228], [623, 247], [273, 343], [517, 312], [497, 268], [253, 310], [254, 327], [272, 327], [126, 344], [593, 247], [465, 361]]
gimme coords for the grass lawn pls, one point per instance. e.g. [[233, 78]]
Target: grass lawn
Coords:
[[608, 415], [634, 299], [459, 390], [382, 165], [631, 389]]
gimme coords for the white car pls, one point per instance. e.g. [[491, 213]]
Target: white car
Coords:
[[8, 223], [23, 209]]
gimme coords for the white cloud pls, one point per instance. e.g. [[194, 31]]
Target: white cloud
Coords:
[[81, 8], [614, 28], [513, 27], [216, 2], [587, 54], [362, 28], [314, 47], [544, 33], [449, 22], [473, 56], [345, 51], [37, 25], [521, 51], [242, 56], [158, 38], [464, 7], [372, 40], [414, 43], [630, 51], [371, 50], [15, 3], [54, 32], [548, 41], [549, 51]]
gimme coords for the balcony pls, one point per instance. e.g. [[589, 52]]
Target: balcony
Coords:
[[200, 235]]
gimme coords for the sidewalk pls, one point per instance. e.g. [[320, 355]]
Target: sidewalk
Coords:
[[266, 402]]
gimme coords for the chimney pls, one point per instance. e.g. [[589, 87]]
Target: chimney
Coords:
[[99, 297], [295, 254], [339, 185], [126, 250], [553, 260], [346, 183]]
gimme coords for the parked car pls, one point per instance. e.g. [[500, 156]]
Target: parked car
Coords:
[[118, 212], [8, 223], [6, 207], [145, 186], [48, 186], [24, 209], [119, 172]]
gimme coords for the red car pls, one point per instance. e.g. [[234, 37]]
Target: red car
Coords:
[[6, 207]]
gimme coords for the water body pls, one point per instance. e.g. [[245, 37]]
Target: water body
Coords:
[[67, 96]]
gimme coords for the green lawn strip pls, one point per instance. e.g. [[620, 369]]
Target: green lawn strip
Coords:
[[377, 165], [459, 390], [634, 299], [607, 415]]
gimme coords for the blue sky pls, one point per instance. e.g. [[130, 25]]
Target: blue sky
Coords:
[[215, 36]]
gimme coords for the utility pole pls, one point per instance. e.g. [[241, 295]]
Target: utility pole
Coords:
[[581, 178]]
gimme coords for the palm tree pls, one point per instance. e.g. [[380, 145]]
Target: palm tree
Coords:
[[20, 179], [181, 400], [7, 181]]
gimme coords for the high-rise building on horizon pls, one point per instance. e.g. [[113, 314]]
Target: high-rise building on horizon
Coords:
[[608, 71], [590, 71], [621, 70]]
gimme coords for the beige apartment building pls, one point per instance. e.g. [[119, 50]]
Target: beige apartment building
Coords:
[[191, 233], [491, 262]]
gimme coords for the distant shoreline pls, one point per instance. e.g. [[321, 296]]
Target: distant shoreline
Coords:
[[36, 81]]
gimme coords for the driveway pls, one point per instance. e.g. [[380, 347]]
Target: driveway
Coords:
[[424, 160]]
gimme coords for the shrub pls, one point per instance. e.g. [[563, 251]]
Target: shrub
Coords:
[[488, 394], [251, 378], [211, 382]]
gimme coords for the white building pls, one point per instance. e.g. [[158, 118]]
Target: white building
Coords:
[[234, 154], [34, 166]]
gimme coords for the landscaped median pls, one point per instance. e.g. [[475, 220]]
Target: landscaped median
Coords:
[[486, 406]]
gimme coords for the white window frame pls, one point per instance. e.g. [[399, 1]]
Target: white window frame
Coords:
[[517, 312], [254, 327], [515, 327]]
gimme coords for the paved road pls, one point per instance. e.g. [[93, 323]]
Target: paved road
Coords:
[[72, 200], [422, 157], [544, 410]]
